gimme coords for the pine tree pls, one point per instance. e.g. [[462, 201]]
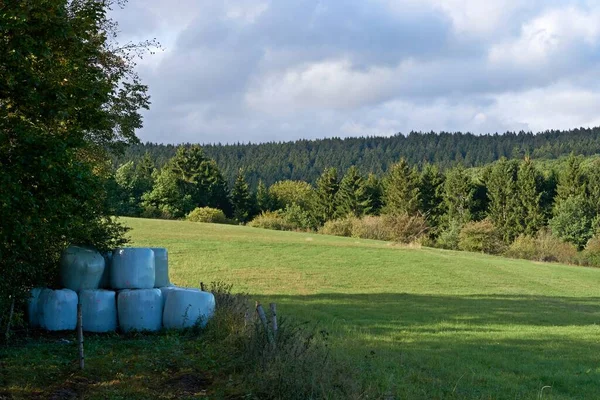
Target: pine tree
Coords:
[[263, 198], [458, 194], [351, 198], [504, 206], [529, 182], [325, 200], [593, 186], [241, 198], [431, 187], [401, 189], [571, 181], [374, 192]]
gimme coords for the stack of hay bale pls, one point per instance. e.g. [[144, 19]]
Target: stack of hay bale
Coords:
[[127, 289]]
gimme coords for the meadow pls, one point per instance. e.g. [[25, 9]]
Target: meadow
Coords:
[[418, 322]]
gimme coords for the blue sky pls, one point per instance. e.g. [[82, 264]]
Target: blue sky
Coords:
[[255, 71]]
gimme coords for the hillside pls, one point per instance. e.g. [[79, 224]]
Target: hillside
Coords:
[[306, 159], [419, 323]]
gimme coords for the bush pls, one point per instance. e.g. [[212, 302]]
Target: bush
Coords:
[[299, 217], [272, 220], [449, 237], [405, 228], [207, 214], [544, 247], [339, 227], [482, 237], [371, 227], [573, 221], [591, 254], [525, 247], [553, 249]]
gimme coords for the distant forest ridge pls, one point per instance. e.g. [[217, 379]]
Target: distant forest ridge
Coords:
[[306, 159]]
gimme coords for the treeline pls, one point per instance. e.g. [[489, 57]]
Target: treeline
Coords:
[[508, 201], [306, 159]]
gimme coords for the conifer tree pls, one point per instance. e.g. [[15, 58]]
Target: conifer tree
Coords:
[[263, 198], [401, 189], [374, 191], [325, 200], [504, 206], [571, 181], [351, 198], [241, 199], [458, 196], [529, 182], [431, 185]]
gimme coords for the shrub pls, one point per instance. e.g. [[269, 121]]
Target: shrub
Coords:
[[552, 248], [299, 217], [449, 237], [371, 227], [591, 254], [272, 220], [573, 221], [480, 236], [207, 214], [525, 247], [339, 227], [405, 228]]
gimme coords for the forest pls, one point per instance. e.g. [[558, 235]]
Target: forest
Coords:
[[517, 206], [306, 159]]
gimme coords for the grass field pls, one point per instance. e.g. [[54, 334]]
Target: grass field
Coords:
[[420, 323]]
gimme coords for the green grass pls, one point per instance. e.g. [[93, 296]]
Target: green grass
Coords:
[[420, 323]]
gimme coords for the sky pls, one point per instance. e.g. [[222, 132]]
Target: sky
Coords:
[[259, 70]]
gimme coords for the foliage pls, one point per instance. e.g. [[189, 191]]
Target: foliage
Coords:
[[325, 195], [525, 247], [242, 200], [401, 189], [591, 254], [504, 209], [449, 237], [404, 228], [69, 93], [530, 214], [207, 214], [263, 199], [573, 220], [431, 187], [481, 237], [373, 227], [299, 218], [351, 197], [553, 249], [286, 193], [274, 220], [458, 197], [307, 159], [339, 227]]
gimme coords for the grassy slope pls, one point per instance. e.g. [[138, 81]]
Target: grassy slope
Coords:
[[421, 323], [429, 323]]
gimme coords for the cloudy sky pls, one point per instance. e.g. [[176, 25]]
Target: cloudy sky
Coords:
[[254, 70]]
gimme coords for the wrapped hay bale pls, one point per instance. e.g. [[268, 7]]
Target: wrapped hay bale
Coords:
[[161, 265], [81, 268], [132, 268], [165, 292], [57, 309], [186, 307], [32, 308], [105, 281], [98, 310], [140, 310]]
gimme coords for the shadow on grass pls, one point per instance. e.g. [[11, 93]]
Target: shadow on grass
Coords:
[[479, 346]]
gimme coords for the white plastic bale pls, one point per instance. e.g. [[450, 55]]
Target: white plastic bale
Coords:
[[98, 310], [161, 264], [57, 309], [32, 308], [81, 268], [105, 281], [132, 268], [140, 310], [186, 307]]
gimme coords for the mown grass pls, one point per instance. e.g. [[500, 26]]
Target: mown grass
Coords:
[[416, 323]]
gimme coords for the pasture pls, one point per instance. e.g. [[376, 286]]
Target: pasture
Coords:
[[418, 322]]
